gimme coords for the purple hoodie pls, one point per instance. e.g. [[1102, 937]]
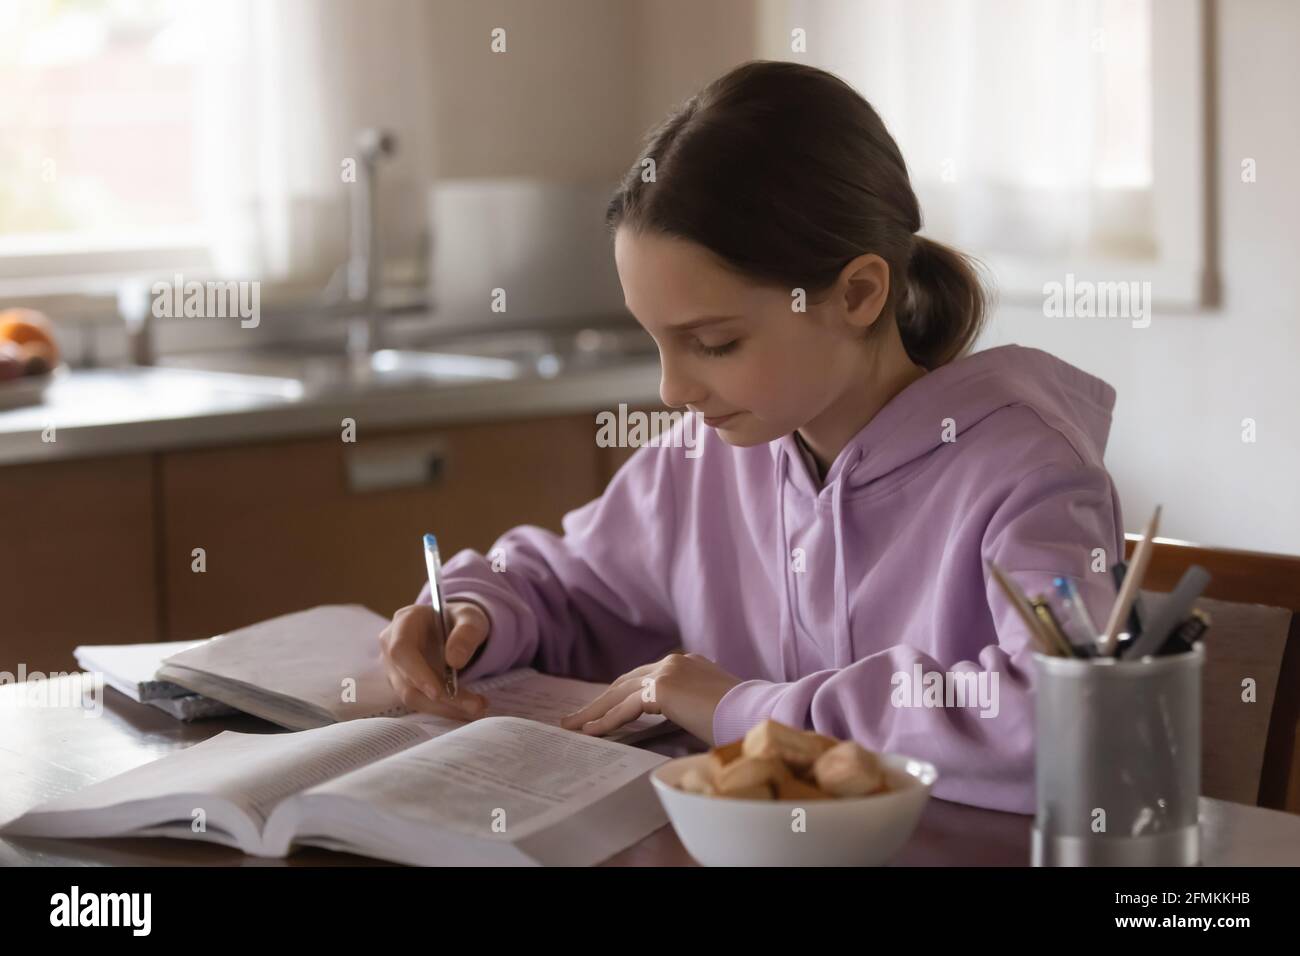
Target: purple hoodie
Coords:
[[851, 608]]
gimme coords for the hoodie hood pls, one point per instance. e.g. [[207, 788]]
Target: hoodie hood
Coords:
[[912, 424], [968, 390]]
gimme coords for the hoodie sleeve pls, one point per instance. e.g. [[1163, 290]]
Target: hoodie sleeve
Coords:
[[1048, 525], [590, 604]]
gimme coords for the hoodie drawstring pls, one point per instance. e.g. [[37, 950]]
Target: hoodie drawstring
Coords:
[[785, 632], [843, 645], [842, 642]]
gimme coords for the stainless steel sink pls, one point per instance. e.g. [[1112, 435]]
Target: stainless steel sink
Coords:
[[319, 373], [495, 357]]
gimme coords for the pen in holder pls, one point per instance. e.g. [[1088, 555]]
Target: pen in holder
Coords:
[[1118, 765]]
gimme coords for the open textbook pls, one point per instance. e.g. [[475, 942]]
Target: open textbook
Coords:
[[416, 789], [321, 666]]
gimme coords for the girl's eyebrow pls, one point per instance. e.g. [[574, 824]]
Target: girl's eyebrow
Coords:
[[703, 320]]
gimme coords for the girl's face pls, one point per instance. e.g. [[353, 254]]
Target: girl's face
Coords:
[[737, 352]]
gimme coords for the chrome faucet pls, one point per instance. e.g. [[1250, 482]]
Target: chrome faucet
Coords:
[[133, 306], [365, 261]]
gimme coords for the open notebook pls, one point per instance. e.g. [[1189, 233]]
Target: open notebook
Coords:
[[321, 666], [417, 789]]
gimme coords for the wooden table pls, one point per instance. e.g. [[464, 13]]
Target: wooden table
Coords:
[[45, 752]]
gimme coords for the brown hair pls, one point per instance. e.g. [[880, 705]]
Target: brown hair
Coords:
[[787, 174]]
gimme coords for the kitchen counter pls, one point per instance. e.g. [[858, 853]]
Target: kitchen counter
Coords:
[[97, 412]]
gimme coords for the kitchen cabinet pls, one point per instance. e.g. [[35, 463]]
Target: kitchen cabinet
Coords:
[[289, 524], [103, 550], [77, 559]]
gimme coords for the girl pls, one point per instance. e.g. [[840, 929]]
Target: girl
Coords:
[[821, 558]]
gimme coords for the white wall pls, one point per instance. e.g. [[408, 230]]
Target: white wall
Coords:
[[555, 105], [1185, 383], [580, 83]]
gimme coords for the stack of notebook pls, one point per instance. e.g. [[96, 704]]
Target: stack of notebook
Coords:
[[132, 670]]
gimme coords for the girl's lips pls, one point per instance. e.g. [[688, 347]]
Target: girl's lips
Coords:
[[721, 419]]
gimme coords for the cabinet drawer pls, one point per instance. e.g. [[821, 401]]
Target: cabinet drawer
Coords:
[[77, 565], [292, 524]]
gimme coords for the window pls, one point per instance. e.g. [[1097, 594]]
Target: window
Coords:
[[1046, 137], [211, 137], [97, 136]]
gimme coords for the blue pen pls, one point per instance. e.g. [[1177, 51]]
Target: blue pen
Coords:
[[433, 564], [1078, 623], [1067, 589]]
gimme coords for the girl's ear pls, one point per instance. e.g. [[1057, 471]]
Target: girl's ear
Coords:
[[865, 285]]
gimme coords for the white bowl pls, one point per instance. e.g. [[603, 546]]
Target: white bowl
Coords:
[[846, 831]]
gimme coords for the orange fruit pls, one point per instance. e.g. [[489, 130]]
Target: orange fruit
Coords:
[[30, 328], [38, 358], [13, 361]]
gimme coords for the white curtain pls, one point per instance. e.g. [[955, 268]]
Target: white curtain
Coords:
[[287, 85], [1025, 124]]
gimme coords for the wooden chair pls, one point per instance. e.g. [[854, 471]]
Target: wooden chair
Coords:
[[1250, 752]]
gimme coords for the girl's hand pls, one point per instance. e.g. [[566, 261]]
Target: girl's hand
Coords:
[[406, 647], [685, 688]]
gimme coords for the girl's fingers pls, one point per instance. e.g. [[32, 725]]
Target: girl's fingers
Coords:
[[629, 709], [601, 704], [611, 696], [403, 643], [465, 706], [415, 671], [413, 698], [468, 631]]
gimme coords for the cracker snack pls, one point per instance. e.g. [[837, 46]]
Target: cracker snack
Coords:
[[777, 762]]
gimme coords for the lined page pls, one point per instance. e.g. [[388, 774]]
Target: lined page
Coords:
[[546, 698], [494, 772], [255, 771]]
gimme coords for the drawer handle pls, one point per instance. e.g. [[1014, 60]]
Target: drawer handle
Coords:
[[384, 467]]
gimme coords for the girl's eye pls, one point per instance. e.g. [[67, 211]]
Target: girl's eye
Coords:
[[715, 350]]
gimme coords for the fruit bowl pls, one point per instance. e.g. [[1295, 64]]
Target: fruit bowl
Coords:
[[29, 389]]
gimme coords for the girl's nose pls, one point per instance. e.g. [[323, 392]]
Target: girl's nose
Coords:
[[676, 389]]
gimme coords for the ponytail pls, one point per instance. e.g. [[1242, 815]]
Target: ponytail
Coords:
[[944, 306]]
